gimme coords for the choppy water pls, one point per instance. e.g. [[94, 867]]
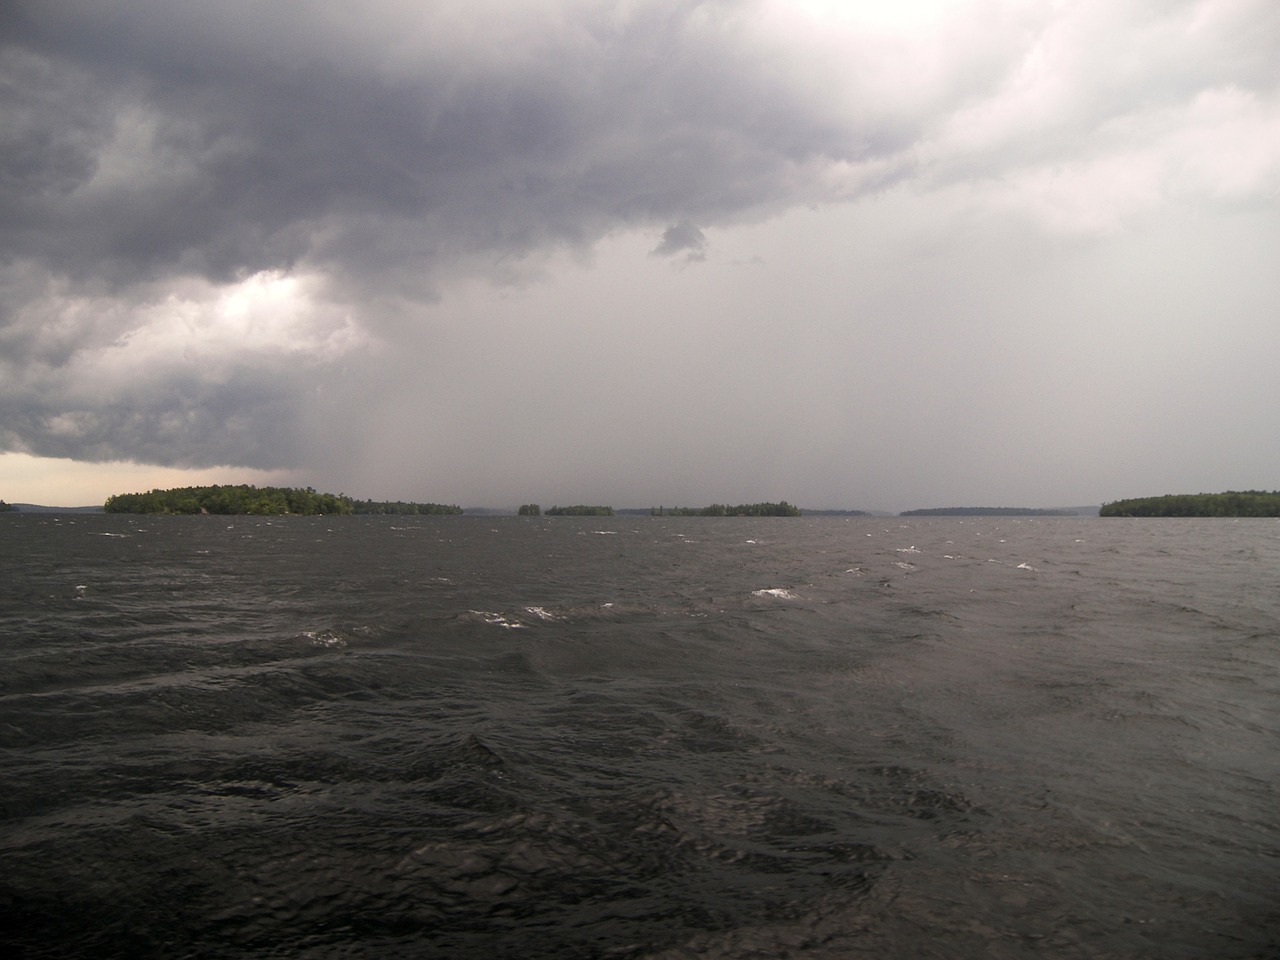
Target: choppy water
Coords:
[[635, 737]]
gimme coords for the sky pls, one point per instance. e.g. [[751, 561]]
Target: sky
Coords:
[[490, 252]]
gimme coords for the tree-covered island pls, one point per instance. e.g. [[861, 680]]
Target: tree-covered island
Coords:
[[986, 512], [779, 509], [246, 499], [1232, 503]]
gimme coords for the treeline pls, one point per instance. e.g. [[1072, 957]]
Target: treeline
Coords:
[[985, 512], [6, 507], [406, 507], [578, 511], [246, 499], [1233, 503], [779, 509]]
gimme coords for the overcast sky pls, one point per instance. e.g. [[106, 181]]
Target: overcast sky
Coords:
[[863, 255]]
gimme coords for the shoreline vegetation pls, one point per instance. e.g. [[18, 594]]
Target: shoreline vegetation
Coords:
[[986, 512], [248, 500], [779, 509], [1232, 503]]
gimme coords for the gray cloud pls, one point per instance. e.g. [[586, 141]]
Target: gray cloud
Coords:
[[380, 148], [218, 138], [247, 420], [682, 237], [235, 233]]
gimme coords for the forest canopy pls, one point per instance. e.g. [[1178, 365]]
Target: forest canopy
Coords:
[[985, 512], [1243, 503], [248, 499], [779, 509]]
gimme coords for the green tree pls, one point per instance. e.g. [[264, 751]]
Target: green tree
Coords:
[[1232, 503]]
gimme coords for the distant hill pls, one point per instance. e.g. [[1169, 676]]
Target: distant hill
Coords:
[[765, 509], [1233, 503], [988, 512], [243, 498], [41, 508]]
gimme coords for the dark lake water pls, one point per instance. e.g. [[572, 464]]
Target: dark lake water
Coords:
[[639, 738]]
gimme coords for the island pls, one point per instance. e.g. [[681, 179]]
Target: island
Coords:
[[986, 512], [1232, 503], [779, 509], [246, 499], [6, 507], [580, 510]]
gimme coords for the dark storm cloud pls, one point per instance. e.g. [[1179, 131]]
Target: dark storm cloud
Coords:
[[214, 215], [377, 146], [240, 139], [684, 238], [247, 420]]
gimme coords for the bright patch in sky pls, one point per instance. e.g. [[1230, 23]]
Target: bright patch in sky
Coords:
[[67, 483]]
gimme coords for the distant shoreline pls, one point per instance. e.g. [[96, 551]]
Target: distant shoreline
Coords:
[[1232, 503], [990, 512], [43, 508], [631, 512]]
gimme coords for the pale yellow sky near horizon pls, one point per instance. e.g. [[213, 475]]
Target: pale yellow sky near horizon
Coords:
[[55, 482]]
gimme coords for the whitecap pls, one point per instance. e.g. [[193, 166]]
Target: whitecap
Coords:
[[542, 613], [1027, 566], [780, 593], [324, 638], [911, 549], [498, 620]]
